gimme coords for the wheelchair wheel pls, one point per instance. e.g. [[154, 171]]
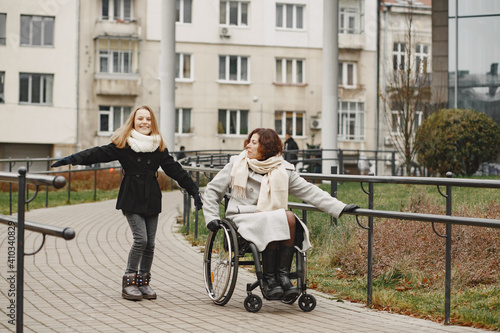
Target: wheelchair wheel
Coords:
[[220, 269], [307, 302], [253, 303]]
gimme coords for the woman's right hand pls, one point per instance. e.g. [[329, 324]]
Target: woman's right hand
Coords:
[[64, 161]]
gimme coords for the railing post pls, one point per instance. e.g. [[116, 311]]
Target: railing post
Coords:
[[341, 162], [333, 189], [196, 210], [20, 248], [393, 164], [447, 295], [369, 278]]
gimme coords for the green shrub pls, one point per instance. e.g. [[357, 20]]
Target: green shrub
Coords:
[[457, 141]]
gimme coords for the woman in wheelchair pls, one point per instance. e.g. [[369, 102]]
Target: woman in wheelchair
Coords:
[[260, 181]]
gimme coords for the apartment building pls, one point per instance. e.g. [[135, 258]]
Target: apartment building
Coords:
[[241, 64], [38, 77], [405, 42]]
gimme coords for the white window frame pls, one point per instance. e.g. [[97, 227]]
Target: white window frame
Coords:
[[345, 16], [46, 85], [290, 23], [396, 127], [181, 60], [227, 75], [346, 68], [296, 77], [124, 53], [422, 58], [43, 30], [181, 11], [180, 114], [351, 121], [3, 27], [225, 20], [287, 121], [398, 56], [117, 15], [240, 114], [109, 111]]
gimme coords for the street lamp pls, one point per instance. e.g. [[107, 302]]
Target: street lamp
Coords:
[[257, 99]]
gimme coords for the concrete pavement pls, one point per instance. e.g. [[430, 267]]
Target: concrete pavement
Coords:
[[75, 286]]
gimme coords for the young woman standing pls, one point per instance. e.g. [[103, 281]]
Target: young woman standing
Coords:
[[140, 149]]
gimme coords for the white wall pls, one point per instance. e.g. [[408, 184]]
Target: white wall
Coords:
[[32, 123]]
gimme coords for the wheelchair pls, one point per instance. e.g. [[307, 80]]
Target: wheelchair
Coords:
[[225, 251]]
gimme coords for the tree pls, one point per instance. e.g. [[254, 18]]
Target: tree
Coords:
[[458, 141], [406, 100]]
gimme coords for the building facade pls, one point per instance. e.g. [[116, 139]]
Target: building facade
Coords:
[[38, 77]]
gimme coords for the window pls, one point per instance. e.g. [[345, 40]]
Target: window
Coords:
[[3, 33], [289, 71], [119, 10], [398, 56], [233, 122], [289, 122], [182, 121], [351, 120], [347, 74], [348, 18], [37, 30], [2, 81], [118, 55], [399, 120], [36, 88], [183, 65], [422, 58], [111, 118], [233, 13], [289, 16], [233, 68], [183, 11]]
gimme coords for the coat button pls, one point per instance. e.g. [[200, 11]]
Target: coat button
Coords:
[[148, 161], [138, 159], [251, 190], [137, 176]]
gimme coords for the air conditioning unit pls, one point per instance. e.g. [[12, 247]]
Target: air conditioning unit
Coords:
[[224, 32], [388, 141], [316, 123]]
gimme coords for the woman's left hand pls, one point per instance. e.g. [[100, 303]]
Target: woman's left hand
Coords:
[[197, 201]]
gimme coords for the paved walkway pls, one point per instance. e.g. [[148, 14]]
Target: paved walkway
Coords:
[[75, 286]]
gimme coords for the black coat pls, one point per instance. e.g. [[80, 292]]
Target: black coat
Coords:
[[139, 189]]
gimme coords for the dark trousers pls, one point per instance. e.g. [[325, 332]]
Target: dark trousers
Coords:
[[141, 254]]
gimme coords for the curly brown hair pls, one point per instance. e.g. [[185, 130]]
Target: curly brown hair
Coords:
[[269, 142]]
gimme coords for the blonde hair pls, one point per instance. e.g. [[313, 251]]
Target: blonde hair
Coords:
[[120, 136]]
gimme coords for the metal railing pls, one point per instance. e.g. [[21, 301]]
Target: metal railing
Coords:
[[22, 180], [448, 183]]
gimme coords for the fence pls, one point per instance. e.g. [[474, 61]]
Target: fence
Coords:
[[448, 183], [67, 233]]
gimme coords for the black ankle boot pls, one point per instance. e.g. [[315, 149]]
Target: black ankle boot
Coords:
[[130, 290], [286, 257], [143, 284], [272, 289]]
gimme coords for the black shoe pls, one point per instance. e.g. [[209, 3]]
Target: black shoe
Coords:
[[130, 290], [272, 289], [285, 263], [143, 283]]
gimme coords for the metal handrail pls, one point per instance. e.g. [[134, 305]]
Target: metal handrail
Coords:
[[66, 233], [23, 180]]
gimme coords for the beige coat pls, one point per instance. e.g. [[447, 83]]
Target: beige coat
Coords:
[[261, 228]]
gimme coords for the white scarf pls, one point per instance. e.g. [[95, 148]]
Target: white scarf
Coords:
[[141, 143], [273, 192]]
